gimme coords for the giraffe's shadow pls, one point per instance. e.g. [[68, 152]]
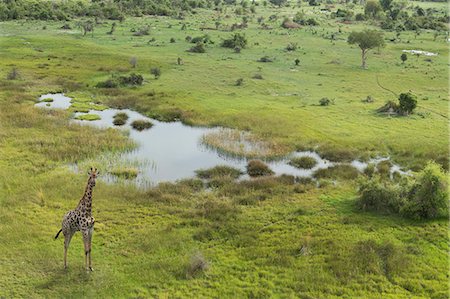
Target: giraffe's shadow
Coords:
[[74, 275]]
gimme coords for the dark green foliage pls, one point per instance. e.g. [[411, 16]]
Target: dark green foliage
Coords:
[[133, 79], [303, 162], [110, 83], [380, 196], [278, 3], [120, 119], [141, 125], [113, 10], [297, 61], [372, 8], [201, 39], [265, 59], [145, 30], [239, 82], [324, 102], [422, 198], [219, 171], [198, 48], [258, 168], [366, 40], [407, 103], [237, 40], [360, 17], [428, 197], [341, 171]]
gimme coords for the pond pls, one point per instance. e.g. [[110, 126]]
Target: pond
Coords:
[[170, 151]]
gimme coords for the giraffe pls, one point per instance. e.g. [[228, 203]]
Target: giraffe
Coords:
[[80, 219]]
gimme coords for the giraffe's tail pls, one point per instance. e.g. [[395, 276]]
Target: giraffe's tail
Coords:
[[56, 237]]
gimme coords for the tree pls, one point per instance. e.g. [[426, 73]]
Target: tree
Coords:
[[372, 8], [407, 103], [404, 57], [237, 40], [366, 40], [386, 4], [279, 3], [156, 71]]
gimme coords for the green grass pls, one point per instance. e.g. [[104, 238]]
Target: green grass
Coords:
[[126, 173], [265, 237], [88, 117]]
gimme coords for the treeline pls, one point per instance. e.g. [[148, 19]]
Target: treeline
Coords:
[[114, 10]]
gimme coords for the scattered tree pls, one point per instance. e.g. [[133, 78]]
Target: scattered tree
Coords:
[[297, 61], [237, 40], [404, 57], [407, 103], [366, 40], [372, 8]]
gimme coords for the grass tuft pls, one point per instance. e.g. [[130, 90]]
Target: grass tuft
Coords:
[[303, 162]]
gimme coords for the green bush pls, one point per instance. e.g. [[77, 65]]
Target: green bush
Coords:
[[258, 168], [141, 125], [237, 40], [303, 162], [120, 118], [380, 196], [198, 48], [428, 197]]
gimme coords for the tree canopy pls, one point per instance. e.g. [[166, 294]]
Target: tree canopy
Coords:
[[366, 40]]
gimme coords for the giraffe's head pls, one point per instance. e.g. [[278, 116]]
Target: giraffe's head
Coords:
[[93, 173]]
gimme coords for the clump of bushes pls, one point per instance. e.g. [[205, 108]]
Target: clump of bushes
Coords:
[[291, 47], [145, 30], [133, 80], [141, 125], [219, 171], [303, 162], [239, 82], [424, 197], [120, 119], [236, 41], [155, 71], [407, 102], [257, 168], [198, 48]]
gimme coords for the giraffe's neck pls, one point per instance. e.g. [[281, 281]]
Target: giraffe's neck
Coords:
[[86, 201]]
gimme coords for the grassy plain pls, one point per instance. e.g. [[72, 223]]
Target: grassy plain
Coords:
[[260, 238]]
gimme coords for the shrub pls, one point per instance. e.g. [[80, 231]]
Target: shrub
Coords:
[[291, 47], [125, 173], [239, 81], [297, 61], [172, 40], [120, 118], [110, 83], [428, 197], [342, 171], [219, 171], [196, 266], [237, 40], [257, 76], [13, 74], [141, 125], [265, 59], [258, 168], [303, 162], [375, 195], [142, 31], [407, 103], [324, 102], [360, 17], [156, 71], [198, 48], [133, 79], [384, 168], [404, 57]]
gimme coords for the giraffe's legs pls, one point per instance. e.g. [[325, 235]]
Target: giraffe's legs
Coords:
[[90, 247], [87, 237], [67, 239]]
